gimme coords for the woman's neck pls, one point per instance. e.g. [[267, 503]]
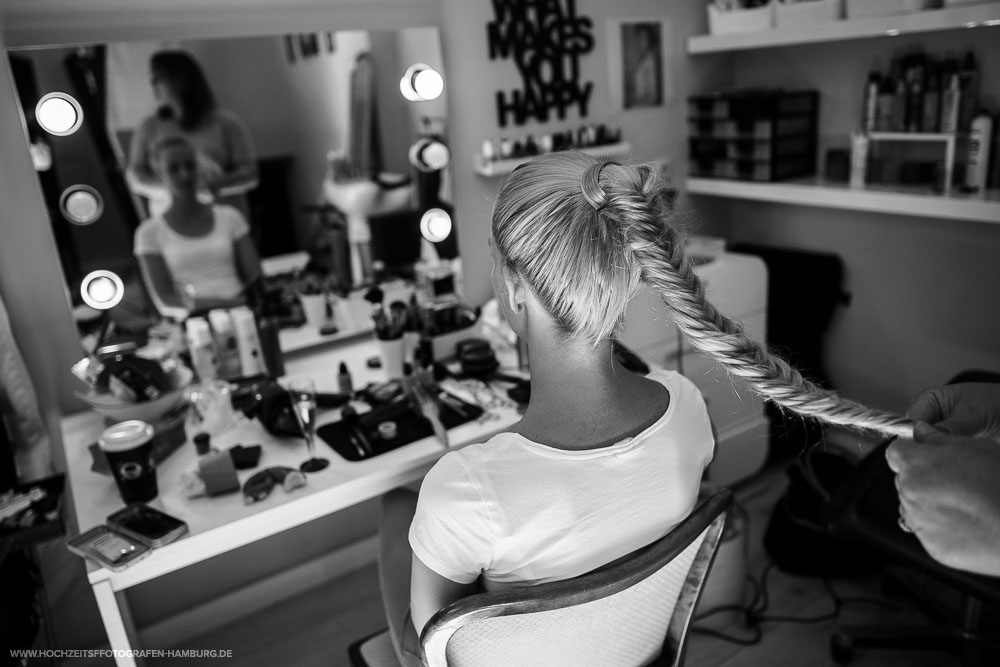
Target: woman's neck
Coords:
[[185, 212]]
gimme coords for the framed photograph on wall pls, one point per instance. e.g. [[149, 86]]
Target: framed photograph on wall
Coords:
[[638, 74]]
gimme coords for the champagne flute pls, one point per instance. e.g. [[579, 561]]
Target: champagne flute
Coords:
[[303, 395]]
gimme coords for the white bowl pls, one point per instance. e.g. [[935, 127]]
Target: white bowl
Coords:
[[148, 411]]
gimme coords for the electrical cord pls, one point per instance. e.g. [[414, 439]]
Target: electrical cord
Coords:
[[754, 613]]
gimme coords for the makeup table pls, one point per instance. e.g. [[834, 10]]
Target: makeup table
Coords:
[[224, 523]]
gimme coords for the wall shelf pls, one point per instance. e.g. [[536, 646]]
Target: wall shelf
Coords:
[[490, 168], [897, 200], [949, 18]]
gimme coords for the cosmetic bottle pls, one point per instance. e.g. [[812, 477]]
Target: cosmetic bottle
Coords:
[[871, 101], [201, 348], [345, 385], [899, 104], [968, 76], [915, 84], [978, 161], [248, 342], [267, 332], [932, 102], [883, 110], [859, 158], [227, 350], [951, 96]]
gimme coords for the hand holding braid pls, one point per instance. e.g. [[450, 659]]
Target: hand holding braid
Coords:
[[633, 202]]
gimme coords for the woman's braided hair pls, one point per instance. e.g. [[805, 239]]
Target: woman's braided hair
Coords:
[[585, 234]]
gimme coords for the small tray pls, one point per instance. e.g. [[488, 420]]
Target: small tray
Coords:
[[410, 427]]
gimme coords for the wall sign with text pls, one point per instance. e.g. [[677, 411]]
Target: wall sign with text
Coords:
[[545, 39]]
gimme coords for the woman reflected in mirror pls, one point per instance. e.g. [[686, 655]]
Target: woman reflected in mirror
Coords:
[[225, 158], [194, 256]]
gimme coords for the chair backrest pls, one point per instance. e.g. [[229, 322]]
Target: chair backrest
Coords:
[[634, 611]]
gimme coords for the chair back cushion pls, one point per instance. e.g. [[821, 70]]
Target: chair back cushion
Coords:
[[626, 628]]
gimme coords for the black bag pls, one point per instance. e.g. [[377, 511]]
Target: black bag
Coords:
[[796, 537]]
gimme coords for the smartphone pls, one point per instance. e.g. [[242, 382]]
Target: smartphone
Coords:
[[111, 548], [147, 523]]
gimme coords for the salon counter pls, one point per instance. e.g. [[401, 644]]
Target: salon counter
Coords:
[[224, 523]]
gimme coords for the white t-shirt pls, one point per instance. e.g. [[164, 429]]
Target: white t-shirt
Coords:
[[208, 262], [519, 512]]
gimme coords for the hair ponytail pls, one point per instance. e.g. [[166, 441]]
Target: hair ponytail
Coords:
[[665, 266]]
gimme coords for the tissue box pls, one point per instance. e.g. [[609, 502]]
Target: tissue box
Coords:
[[722, 22], [793, 14]]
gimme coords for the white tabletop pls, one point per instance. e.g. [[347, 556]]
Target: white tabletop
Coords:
[[223, 523]]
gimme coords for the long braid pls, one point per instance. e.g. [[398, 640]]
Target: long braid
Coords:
[[665, 265]]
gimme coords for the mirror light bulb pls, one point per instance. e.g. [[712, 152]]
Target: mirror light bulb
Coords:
[[59, 114], [81, 204], [435, 225], [102, 289], [421, 83], [429, 84]]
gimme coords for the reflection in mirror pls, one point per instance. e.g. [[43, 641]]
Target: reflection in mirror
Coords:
[[311, 146]]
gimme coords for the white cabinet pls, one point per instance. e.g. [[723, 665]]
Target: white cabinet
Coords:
[[737, 285]]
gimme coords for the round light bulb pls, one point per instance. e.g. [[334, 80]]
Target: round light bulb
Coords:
[[81, 204], [429, 84], [102, 289], [406, 88], [59, 114], [435, 225]]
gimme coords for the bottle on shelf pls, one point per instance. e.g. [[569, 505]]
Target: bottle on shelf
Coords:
[[859, 159], [951, 97], [980, 142], [915, 72], [883, 111], [897, 122], [968, 77], [931, 110], [870, 114]]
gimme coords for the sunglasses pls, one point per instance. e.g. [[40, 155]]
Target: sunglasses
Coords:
[[260, 484]]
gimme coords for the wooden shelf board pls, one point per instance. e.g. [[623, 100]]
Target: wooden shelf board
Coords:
[[499, 167], [897, 200], [948, 18]]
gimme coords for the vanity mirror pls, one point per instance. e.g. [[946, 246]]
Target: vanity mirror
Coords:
[[317, 123]]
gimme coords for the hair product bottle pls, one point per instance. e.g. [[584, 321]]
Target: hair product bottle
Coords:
[[980, 141], [859, 159], [883, 111], [968, 76], [226, 347], [871, 102], [951, 96], [932, 102], [201, 348], [247, 341]]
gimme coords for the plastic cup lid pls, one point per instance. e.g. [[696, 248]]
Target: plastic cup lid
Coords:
[[125, 435]]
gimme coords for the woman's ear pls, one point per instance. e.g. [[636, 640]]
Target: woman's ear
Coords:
[[516, 291]]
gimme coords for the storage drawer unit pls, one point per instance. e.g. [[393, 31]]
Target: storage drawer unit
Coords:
[[756, 135]]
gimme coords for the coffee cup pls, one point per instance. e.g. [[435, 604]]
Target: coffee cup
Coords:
[[128, 446]]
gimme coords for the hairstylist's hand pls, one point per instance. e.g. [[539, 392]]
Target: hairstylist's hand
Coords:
[[970, 408], [949, 496], [210, 173]]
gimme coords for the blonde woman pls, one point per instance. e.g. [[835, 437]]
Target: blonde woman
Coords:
[[604, 461]]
